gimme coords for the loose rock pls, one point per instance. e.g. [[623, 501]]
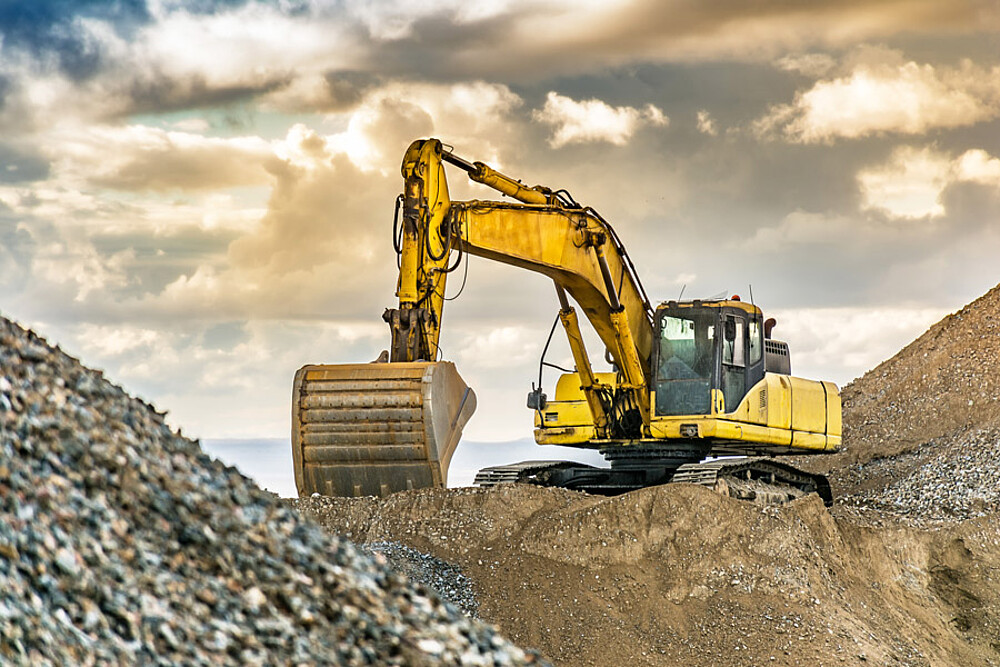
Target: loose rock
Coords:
[[123, 543]]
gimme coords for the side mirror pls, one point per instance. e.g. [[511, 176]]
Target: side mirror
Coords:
[[730, 330], [537, 399]]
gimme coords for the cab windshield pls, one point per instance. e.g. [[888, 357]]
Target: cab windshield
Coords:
[[685, 363]]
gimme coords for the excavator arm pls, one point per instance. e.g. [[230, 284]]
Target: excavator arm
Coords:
[[544, 231], [372, 429]]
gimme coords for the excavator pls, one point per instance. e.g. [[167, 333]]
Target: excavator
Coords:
[[698, 390]]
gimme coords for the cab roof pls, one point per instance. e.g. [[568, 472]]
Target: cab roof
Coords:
[[748, 308]]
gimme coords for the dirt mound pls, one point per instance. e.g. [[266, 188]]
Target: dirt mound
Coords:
[[943, 384], [922, 429], [122, 543], [680, 575]]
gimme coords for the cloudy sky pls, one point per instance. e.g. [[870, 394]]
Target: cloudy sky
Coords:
[[196, 196]]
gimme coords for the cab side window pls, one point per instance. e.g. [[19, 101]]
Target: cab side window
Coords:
[[756, 341], [734, 360], [732, 351]]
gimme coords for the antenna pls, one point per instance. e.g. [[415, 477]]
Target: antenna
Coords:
[[751, 294], [679, 296]]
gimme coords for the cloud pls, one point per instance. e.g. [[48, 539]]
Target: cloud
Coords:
[[201, 261], [804, 228], [315, 242], [239, 389], [840, 344], [619, 33], [20, 164], [330, 91], [103, 253], [499, 347], [71, 34], [473, 115], [808, 64], [136, 57], [706, 124], [977, 166], [143, 158], [593, 120], [392, 20], [106, 60], [911, 183], [879, 97]]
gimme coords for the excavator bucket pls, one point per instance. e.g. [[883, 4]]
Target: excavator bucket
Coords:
[[373, 429]]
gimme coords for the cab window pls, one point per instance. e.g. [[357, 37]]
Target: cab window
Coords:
[[733, 361], [732, 348], [756, 341], [685, 362]]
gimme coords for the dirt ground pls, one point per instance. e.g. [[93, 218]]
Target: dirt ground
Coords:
[[678, 575]]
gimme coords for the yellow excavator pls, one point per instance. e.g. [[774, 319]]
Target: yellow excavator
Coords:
[[694, 384]]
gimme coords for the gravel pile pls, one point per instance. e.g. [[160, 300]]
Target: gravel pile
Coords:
[[123, 543], [922, 429], [444, 578], [953, 479]]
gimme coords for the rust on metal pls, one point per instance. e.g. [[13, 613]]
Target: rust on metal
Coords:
[[378, 428]]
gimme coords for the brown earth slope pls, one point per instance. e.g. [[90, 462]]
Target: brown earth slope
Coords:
[[922, 429], [680, 575]]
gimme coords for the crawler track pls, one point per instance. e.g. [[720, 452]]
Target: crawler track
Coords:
[[757, 479]]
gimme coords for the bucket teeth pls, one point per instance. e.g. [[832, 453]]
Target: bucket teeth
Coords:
[[378, 428]]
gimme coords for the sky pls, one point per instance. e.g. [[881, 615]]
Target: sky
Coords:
[[196, 196]]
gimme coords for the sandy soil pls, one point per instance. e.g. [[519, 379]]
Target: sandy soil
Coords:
[[681, 575]]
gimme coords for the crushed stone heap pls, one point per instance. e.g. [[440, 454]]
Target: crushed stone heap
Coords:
[[121, 542], [922, 429]]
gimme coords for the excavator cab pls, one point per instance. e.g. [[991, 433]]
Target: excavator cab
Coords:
[[704, 347]]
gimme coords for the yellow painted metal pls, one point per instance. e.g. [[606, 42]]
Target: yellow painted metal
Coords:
[[425, 236], [780, 414], [363, 429], [834, 413], [567, 418], [808, 406], [630, 365], [507, 185], [718, 406], [552, 241], [538, 234], [769, 419], [566, 436], [588, 382], [373, 429]]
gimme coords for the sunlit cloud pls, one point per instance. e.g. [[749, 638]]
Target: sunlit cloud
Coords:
[[593, 120], [706, 124], [841, 344], [808, 64], [977, 166], [473, 115], [887, 97], [910, 185]]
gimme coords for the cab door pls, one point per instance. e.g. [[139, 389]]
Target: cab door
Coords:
[[734, 359]]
